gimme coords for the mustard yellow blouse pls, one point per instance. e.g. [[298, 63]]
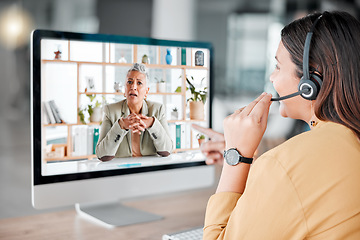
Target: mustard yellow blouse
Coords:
[[306, 188]]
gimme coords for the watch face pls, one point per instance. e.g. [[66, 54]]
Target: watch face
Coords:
[[232, 157]]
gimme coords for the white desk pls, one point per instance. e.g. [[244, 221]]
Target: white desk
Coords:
[[181, 211]]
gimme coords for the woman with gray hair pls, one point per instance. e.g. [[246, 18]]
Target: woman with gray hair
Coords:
[[134, 126]]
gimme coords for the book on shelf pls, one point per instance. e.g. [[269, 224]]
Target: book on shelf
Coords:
[[178, 136], [188, 57], [90, 140], [178, 56], [188, 136], [52, 113], [76, 141], [48, 113], [96, 139], [183, 135], [85, 139], [55, 111], [184, 56]]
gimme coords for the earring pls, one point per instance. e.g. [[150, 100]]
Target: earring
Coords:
[[313, 123]]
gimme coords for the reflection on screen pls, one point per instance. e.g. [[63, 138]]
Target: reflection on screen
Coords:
[[79, 78]]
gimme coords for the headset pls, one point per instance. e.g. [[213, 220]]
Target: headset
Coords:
[[310, 83]]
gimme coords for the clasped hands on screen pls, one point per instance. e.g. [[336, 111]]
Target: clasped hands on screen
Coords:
[[137, 123]]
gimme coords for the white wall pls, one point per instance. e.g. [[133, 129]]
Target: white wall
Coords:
[[174, 19]]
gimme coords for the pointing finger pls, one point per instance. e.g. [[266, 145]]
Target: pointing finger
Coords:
[[209, 132]]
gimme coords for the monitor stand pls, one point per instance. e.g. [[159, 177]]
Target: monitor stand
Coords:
[[114, 214]]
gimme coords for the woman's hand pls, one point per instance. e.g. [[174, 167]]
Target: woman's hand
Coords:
[[213, 149], [126, 122], [132, 122], [244, 129], [136, 123], [148, 121]]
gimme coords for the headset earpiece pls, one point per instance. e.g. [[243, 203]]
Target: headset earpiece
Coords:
[[313, 84]]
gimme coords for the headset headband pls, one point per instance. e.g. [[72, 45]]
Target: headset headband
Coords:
[[306, 73]]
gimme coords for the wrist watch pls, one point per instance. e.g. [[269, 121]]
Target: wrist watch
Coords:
[[233, 157]]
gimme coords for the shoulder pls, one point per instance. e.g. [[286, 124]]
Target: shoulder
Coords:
[[154, 107], [112, 108], [312, 146], [115, 106]]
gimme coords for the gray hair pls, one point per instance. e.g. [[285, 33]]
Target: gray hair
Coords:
[[139, 67]]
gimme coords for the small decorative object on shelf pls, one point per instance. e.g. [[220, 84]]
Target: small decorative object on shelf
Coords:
[[58, 54], [145, 59], [197, 101], [199, 58], [122, 60], [90, 85], [55, 150], [168, 56], [117, 87], [174, 114], [160, 85], [201, 138]]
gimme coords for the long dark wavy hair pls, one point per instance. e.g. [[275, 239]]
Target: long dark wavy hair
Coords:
[[335, 54]]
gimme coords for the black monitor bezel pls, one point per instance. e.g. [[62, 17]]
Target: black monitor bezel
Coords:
[[37, 36]]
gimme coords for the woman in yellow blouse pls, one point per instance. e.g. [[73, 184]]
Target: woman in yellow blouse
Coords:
[[309, 186]]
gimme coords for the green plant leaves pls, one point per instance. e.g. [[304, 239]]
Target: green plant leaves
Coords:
[[197, 95]]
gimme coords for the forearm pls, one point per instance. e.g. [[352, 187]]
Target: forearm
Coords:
[[233, 178], [160, 136], [243, 131], [110, 141]]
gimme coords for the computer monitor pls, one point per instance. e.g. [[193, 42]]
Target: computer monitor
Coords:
[[73, 77]]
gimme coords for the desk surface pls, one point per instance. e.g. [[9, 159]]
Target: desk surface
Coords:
[[181, 211]]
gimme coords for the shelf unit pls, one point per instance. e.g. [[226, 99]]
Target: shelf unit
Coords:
[[108, 62]]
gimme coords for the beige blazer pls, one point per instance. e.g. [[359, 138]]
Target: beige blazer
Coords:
[[306, 188], [115, 141]]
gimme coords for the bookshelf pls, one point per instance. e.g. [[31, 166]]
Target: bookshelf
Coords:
[[107, 61]]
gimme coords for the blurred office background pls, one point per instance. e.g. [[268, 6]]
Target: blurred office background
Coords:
[[245, 35]]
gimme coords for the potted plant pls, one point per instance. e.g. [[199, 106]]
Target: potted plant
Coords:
[[174, 114], [201, 138], [196, 101], [160, 85], [93, 108]]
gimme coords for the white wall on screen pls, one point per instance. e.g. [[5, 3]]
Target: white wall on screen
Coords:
[[61, 86]]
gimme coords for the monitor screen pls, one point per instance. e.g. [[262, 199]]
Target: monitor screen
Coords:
[[80, 90]]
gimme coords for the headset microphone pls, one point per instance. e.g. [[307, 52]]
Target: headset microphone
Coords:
[[306, 90]]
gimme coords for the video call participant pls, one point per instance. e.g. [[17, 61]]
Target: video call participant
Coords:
[[134, 126], [307, 187]]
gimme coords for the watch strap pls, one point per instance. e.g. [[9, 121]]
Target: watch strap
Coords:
[[246, 160]]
